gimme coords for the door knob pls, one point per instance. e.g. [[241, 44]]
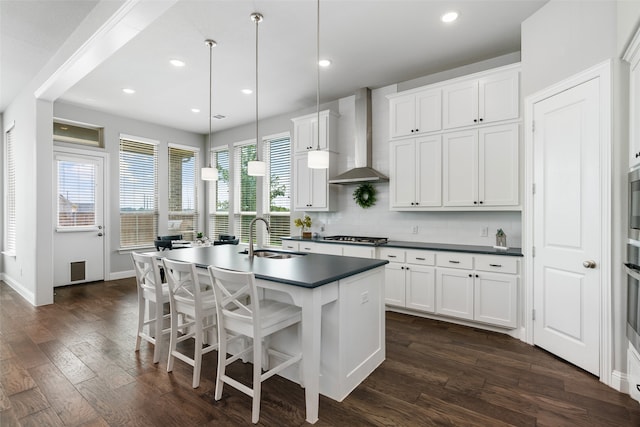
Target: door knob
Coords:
[[589, 264], [100, 234]]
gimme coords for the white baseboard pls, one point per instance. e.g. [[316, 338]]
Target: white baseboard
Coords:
[[122, 275], [20, 289], [619, 382]]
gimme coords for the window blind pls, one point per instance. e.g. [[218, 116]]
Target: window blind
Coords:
[[138, 193], [277, 189], [219, 195], [183, 190], [10, 193], [245, 206], [76, 193]]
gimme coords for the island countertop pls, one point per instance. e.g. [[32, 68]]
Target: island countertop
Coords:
[[307, 270]]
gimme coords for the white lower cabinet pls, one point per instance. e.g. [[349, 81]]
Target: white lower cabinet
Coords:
[[333, 249], [409, 278], [633, 373], [482, 288]]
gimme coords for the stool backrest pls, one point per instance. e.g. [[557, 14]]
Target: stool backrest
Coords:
[[148, 275], [236, 296], [184, 284]]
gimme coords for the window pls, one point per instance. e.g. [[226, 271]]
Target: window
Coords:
[[10, 193], [183, 190], [138, 193], [277, 188], [76, 192], [245, 196], [78, 133], [219, 195]]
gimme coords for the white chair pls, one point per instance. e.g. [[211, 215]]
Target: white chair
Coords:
[[187, 298], [151, 290], [242, 315]]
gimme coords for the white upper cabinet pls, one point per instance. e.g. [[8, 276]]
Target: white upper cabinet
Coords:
[[415, 113], [632, 56], [416, 173], [311, 190], [480, 167], [494, 97], [305, 131]]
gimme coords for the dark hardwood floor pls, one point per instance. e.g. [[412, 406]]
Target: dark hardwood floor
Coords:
[[73, 363]]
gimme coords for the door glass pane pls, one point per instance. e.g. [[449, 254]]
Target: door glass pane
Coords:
[[76, 193]]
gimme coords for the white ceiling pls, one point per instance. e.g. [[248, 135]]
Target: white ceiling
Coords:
[[372, 43]]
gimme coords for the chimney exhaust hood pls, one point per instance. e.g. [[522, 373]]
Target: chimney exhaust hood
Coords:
[[363, 172]]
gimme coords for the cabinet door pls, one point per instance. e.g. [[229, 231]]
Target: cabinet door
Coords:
[[402, 116], [428, 111], [403, 174], [301, 183], [634, 107], [460, 104], [420, 288], [289, 245], [359, 251], [499, 97], [460, 168], [428, 171], [304, 131], [496, 299], [454, 293], [394, 284], [319, 189], [498, 179]]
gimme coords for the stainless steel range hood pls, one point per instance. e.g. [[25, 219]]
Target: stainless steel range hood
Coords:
[[363, 172]]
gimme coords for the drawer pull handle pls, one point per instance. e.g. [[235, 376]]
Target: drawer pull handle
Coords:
[[421, 259], [638, 387], [392, 256], [495, 265], [454, 262]]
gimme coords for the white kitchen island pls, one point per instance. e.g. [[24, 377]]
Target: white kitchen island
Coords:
[[343, 324]]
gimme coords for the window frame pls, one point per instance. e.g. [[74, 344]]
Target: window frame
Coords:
[[178, 215], [213, 193], [10, 181], [266, 187]]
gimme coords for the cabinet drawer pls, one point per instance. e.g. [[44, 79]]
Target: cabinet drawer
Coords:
[[501, 264], [290, 246], [392, 254], [454, 260], [421, 257]]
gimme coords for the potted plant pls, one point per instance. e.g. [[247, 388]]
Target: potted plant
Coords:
[[305, 224]]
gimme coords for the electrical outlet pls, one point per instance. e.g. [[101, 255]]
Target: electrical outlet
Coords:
[[484, 232], [364, 298], [414, 230]]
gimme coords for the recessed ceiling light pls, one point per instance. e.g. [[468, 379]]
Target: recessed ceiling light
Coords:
[[195, 110], [449, 17], [324, 62], [128, 91], [247, 91], [177, 63]]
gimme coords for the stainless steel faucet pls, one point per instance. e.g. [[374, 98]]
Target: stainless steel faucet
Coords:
[[253, 221]]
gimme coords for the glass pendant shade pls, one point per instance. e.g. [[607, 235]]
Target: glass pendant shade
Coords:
[[209, 174], [318, 159], [256, 168]]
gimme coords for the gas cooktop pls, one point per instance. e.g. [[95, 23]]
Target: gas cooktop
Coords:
[[358, 239]]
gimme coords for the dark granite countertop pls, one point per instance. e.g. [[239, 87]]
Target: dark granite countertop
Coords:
[[308, 270], [445, 247]]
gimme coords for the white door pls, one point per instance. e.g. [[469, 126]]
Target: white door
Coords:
[[567, 225], [403, 163], [460, 168], [428, 158], [78, 242]]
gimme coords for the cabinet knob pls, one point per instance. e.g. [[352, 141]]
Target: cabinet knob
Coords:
[[481, 202], [475, 120], [412, 130], [637, 155], [470, 275], [417, 130], [401, 268], [477, 275], [481, 119], [475, 203], [417, 203]]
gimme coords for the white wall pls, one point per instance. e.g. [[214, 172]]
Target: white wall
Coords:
[[114, 126], [560, 40]]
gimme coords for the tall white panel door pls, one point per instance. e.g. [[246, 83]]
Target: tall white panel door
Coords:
[[460, 168], [499, 176], [302, 183], [567, 225], [319, 188]]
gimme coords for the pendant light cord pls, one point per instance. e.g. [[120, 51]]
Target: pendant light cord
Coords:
[[210, 43], [257, 18], [318, 73]]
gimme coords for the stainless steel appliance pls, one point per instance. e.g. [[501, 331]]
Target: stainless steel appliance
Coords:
[[634, 204], [358, 239], [632, 266]]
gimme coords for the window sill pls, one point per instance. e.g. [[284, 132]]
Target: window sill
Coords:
[[11, 254], [136, 249]]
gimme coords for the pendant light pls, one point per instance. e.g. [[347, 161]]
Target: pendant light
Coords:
[[318, 159], [209, 173], [256, 167]]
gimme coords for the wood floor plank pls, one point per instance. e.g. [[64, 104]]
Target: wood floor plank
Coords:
[[14, 377], [68, 363], [28, 402]]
